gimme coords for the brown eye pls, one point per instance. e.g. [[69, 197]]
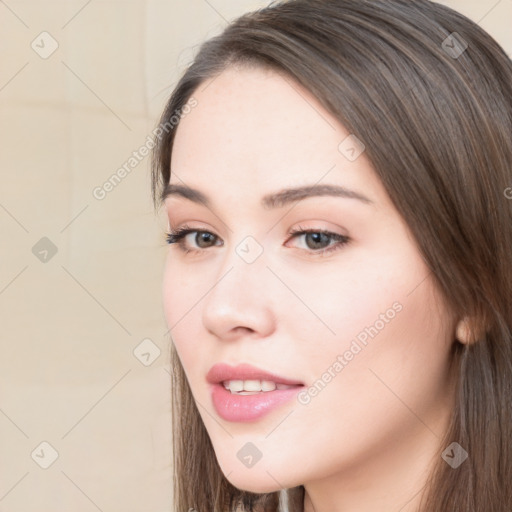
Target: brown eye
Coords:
[[204, 237], [318, 241], [201, 239]]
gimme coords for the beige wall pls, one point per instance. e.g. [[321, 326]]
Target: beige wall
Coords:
[[70, 323]]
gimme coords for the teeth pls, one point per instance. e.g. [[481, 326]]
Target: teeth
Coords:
[[267, 385], [249, 387]]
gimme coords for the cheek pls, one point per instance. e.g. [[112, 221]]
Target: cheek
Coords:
[[181, 295], [378, 315], [350, 299], [390, 355]]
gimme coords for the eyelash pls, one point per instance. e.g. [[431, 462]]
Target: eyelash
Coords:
[[177, 237]]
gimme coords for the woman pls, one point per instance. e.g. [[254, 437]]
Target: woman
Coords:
[[338, 285]]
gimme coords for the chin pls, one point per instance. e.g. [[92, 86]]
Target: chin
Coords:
[[258, 483]]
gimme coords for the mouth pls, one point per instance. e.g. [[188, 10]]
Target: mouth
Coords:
[[248, 378], [232, 385]]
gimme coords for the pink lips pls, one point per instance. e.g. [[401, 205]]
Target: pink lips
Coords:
[[234, 407], [222, 372]]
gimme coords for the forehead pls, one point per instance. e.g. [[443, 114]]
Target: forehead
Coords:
[[255, 131], [258, 114]]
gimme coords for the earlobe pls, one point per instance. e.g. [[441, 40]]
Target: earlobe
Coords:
[[463, 332]]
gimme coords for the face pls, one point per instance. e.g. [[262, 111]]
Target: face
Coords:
[[349, 309]]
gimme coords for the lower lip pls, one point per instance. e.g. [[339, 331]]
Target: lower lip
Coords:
[[235, 407]]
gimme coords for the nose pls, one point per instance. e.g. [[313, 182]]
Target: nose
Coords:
[[240, 301]]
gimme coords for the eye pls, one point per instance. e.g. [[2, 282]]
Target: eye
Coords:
[[178, 236], [318, 241]]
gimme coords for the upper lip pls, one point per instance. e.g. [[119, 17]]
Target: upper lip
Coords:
[[222, 372]]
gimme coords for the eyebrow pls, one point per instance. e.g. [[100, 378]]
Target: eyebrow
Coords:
[[270, 201]]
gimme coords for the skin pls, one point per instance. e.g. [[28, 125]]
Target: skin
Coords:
[[367, 441]]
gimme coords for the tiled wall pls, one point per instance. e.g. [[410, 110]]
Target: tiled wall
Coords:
[[82, 84]]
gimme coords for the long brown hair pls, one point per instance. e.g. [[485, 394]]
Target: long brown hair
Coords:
[[430, 94]]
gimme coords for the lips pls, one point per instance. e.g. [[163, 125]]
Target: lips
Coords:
[[221, 372], [236, 407]]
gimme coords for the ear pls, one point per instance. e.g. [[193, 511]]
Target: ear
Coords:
[[463, 332]]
